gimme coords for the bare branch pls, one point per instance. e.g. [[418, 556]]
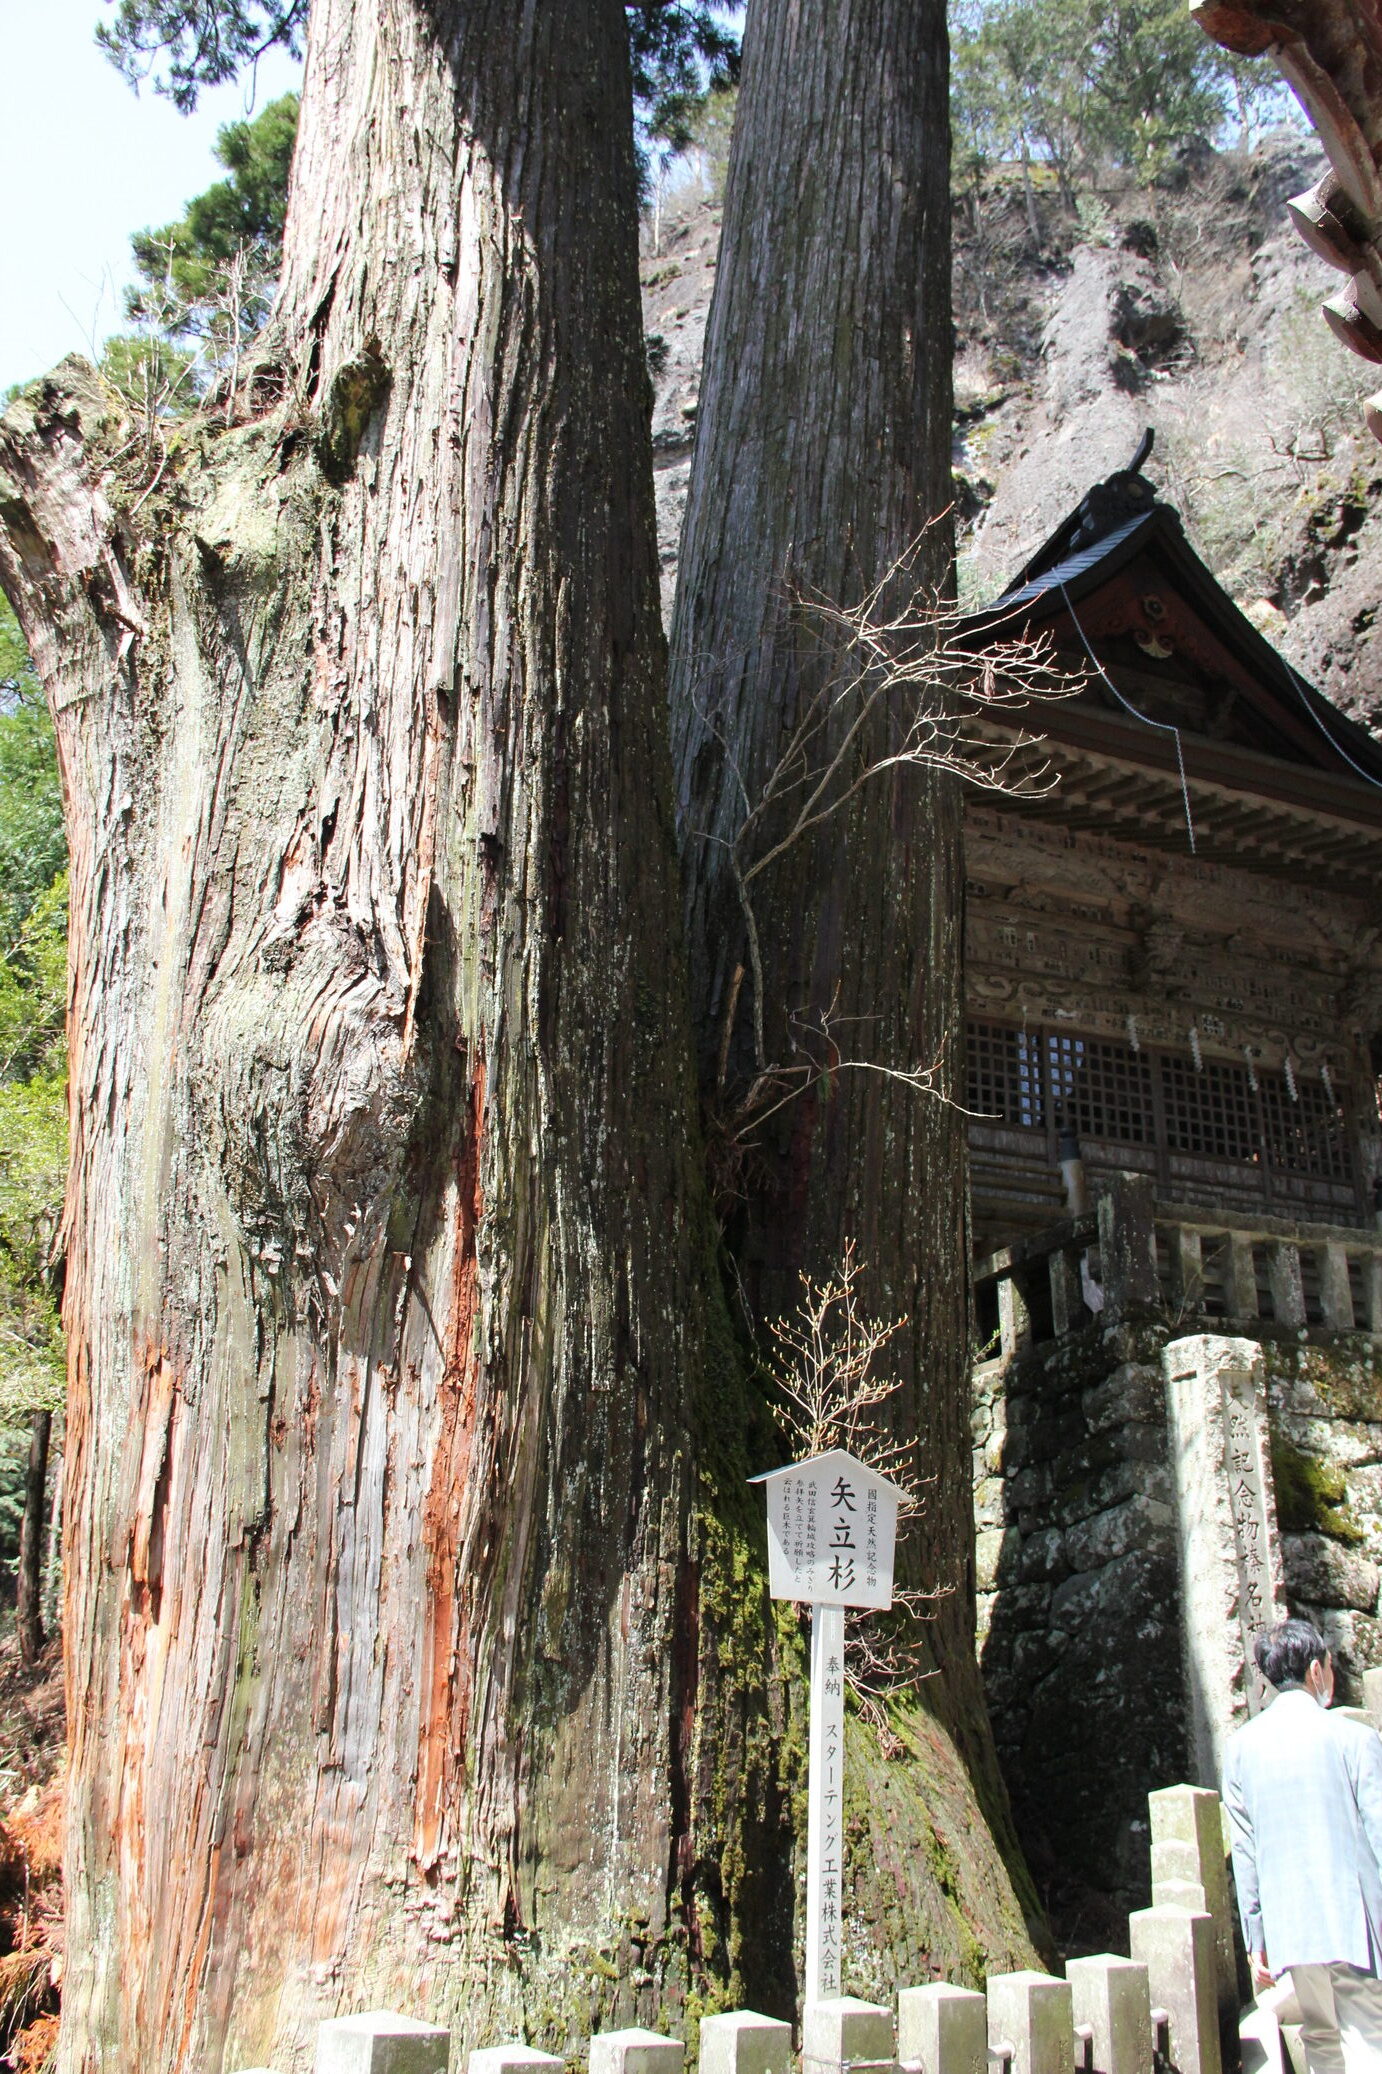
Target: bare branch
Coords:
[[904, 684], [825, 1366]]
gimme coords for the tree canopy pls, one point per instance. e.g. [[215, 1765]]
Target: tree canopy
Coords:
[[1075, 82], [33, 1052], [185, 45]]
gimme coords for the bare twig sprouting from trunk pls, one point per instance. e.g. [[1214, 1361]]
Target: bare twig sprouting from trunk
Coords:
[[828, 1389], [902, 683]]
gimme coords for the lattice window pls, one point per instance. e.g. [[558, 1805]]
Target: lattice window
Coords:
[[1211, 1113], [1104, 1089], [1005, 1080], [1307, 1135]]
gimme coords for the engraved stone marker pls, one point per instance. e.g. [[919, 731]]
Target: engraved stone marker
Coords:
[[1230, 1553]]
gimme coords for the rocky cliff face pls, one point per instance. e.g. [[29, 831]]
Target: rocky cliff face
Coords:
[[1191, 307]]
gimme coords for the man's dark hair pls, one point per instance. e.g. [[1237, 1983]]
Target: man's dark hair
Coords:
[[1285, 1652]]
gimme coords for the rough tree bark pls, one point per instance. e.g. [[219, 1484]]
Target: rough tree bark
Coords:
[[28, 1609], [822, 453], [392, 1658]]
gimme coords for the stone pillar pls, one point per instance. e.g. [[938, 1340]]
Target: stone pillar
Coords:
[[1127, 1245], [1190, 1870], [1372, 1696], [844, 2032], [1112, 1998], [380, 2042], [1240, 1278], [1067, 1297], [512, 2059], [1288, 1289], [942, 2029], [1176, 1945], [1033, 2013], [1336, 1293], [1230, 1552], [1014, 1319], [635, 2051], [739, 2041], [1187, 1269], [1372, 1292]]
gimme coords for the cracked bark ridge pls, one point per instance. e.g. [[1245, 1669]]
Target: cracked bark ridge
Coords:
[[389, 1268]]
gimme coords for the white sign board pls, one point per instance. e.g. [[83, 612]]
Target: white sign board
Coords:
[[832, 1532], [832, 1529]]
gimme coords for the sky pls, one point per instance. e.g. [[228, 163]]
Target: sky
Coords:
[[83, 162]]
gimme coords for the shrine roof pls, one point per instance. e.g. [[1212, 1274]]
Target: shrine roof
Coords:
[[1186, 716], [1123, 590]]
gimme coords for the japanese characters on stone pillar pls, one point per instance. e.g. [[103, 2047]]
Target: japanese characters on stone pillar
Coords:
[[832, 1530], [1230, 1553]]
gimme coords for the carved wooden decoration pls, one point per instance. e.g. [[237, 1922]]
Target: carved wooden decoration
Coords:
[[1330, 54]]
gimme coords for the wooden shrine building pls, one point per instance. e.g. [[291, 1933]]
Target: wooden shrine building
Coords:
[[1172, 951]]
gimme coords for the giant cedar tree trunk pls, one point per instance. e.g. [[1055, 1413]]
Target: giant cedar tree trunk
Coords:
[[388, 1294], [823, 451]]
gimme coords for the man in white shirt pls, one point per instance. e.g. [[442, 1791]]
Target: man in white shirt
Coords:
[[1303, 1791]]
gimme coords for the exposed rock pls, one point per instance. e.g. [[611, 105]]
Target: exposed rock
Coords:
[[1137, 1523], [1325, 1573]]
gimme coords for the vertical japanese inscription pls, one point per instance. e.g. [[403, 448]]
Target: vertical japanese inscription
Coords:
[[832, 1525], [1247, 1506]]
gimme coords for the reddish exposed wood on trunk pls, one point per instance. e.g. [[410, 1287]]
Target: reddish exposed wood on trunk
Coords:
[[447, 1670], [383, 1366]]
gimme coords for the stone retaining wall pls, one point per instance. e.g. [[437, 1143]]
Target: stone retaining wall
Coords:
[[1077, 1574]]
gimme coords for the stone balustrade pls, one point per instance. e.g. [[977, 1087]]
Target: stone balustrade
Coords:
[[1132, 1253], [1108, 2015]]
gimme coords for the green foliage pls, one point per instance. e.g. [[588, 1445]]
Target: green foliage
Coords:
[[206, 282], [33, 848], [185, 45], [33, 1058], [239, 215], [1084, 83], [711, 131], [672, 48]]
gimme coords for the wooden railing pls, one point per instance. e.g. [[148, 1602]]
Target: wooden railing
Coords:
[[1133, 1254]]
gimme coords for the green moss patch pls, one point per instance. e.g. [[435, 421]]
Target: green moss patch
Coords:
[[1311, 1496]]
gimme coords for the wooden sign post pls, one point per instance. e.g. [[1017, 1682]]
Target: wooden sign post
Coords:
[[832, 1530]]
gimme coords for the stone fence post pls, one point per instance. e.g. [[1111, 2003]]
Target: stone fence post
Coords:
[[513, 2059], [1176, 1945], [1190, 1870], [1112, 2000], [843, 2032], [739, 2041], [1033, 2013], [381, 2042], [942, 2029], [635, 2051]]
